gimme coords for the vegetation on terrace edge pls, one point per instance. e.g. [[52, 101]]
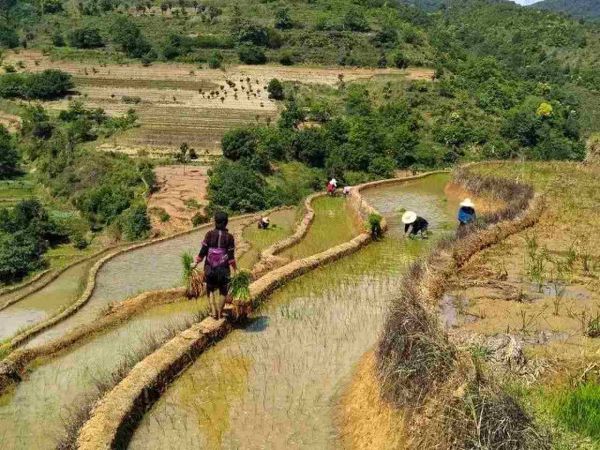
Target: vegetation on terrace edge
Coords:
[[86, 191]]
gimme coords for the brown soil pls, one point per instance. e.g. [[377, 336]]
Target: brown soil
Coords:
[[181, 194], [11, 122], [175, 105]]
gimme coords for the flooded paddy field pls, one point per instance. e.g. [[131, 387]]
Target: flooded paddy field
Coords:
[[148, 268], [278, 379], [35, 413], [333, 224]]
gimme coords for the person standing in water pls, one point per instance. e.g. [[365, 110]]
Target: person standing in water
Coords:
[[218, 251], [413, 224], [264, 223], [466, 212]]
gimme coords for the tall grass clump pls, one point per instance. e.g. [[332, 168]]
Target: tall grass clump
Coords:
[[579, 409], [420, 370]]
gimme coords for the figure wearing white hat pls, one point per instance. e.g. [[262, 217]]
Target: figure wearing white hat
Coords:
[[466, 212], [415, 224], [264, 223]]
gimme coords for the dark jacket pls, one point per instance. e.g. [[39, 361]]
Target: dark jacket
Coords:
[[419, 224], [211, 240]]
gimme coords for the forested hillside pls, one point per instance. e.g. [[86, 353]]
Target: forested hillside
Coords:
[[577, 8]]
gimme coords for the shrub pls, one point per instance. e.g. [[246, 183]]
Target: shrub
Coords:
[[131, 100], [8, 36], [382, 166], [234, 187], [286, 59], [251, 54], [400, 60], [135, 223], [239, 143], [79, 241], [86, 37], [355, 20], [9, 156], [283, 21], [46, 85], [200, 219], [103, 204], [129, 38], [215, 60], [20, 253], [275, 89]]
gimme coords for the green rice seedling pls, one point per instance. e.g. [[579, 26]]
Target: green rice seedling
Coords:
[[593, 326], [374, 223], [240, 286], [192, 277]]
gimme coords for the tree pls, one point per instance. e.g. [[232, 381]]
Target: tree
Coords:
[[400, 61], [9, 157], [8, 36], [128, 36], [251, 54], [239, 143], [135, 223], [6, 6], [283, 21], [275, 89], [183, 156], [47, 85], [234, 187], [355, 20], [382, 166], [85, 37]]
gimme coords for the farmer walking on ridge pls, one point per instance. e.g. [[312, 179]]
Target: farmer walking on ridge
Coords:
[[415, 224], [466, 212], [218, 250]]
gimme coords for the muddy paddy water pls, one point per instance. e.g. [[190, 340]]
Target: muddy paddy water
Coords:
[[277, 381], [148, 268], [35, 413], [46, 302]]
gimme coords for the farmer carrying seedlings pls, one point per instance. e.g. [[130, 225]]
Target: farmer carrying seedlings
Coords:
[[466, 212], [218, 250], [415, 224]]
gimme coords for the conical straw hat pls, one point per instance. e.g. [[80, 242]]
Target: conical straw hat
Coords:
[[409, 217]]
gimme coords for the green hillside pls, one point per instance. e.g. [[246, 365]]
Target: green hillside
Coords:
[[577, 8]]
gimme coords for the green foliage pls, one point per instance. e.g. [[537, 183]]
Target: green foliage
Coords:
[[26, 231], [215, 60], [251, 54], [8, 36], [46, 85], [283, 21], [234, 187], [239, 287], [128, 36], [9, 156], [135, 223], [355, 20], [275, 89], [85, 37], [576, 8]]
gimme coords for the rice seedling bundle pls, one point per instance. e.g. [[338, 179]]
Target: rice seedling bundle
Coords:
[[240, 286]]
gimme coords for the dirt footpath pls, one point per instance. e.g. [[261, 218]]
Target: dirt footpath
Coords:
[[181, 195]]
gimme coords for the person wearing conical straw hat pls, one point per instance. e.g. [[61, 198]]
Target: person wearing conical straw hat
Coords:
[[414, 225], [466, 212]]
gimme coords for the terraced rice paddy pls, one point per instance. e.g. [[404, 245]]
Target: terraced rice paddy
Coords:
[[283, 224], [333, 224], [277, 380]]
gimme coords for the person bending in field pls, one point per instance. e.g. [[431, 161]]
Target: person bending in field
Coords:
[[466, 212], [414, 225], [263, 223], [218, 252]]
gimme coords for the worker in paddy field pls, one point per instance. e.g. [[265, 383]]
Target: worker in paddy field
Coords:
[[414, 225], [218, 251], [346, 191], [332, 186], [466, 212], [264, 223]]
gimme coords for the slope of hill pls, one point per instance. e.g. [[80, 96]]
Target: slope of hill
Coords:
[[576, 8]]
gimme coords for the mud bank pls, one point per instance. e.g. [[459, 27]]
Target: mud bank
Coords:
[[414, 322]]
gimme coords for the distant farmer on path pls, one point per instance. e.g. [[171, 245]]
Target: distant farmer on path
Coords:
[[415, 224], [466, 212], [218, 248]]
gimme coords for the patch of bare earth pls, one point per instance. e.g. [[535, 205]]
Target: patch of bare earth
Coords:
[[179, 103], [181, 195], [11, 122]]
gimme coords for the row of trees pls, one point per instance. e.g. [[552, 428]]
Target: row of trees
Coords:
[[46, 85]]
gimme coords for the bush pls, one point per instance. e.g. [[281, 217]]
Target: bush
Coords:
[[47, 85], [129, 38], [400, 60], [355, 20], [199, 219], [215, 60], [135, 223], [79, 241], [103, 204], [20, 254], [275, 89], [251, 54], [85, 37], [286, 59], [8, 37], [239, 143], [235, 188], [9, 156], [131, 100], [382, 166], [283, 21]]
